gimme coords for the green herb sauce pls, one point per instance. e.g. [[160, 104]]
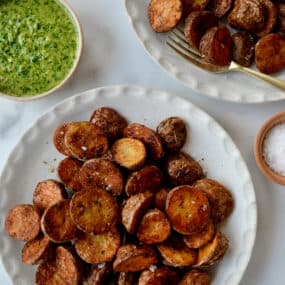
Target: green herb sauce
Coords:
[[38, 45]]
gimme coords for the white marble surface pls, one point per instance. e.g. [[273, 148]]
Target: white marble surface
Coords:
[[112, 55]]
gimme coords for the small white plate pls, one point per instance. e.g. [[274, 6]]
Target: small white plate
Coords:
[[34, 158], [233, 86]]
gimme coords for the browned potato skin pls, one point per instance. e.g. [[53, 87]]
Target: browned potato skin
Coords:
[[23, 222], [146, 179], [188, 209], [160, 199], [213, 251], [125, 278], [195, 277], [243, 48], [195, 5], [164, 15], [58, 139], [109, 121], [68, 172], [97, 248], [133, 258], [37, 250], [101, 173], [129, 153], [199, 239], [154, 227], [196, 24], [216, 46], [159, 276], [220, 198], [94, 211], [85, 141], [220, 7], [182, 169], [176, 253], [150, 139], [99, 275], [249, 15], [270, 53], [134, 209], [56, 222]]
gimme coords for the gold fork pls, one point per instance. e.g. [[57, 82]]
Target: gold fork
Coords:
[[179, 44]]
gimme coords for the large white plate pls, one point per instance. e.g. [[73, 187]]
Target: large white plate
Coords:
[[34, 155], [232, 86]]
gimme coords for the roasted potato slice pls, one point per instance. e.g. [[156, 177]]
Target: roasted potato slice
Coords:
[[68, 172], [146, 179], [160, 199], [173, 133], [68, 265], [213, 251], [100, 274], [56, 222], [58, 139], [188, 209], [109, 121], [154, 227], [47, 193], [125, 278], [182, 169], [176, 253], [134, 209], [164, 15], [270, 53], [196, 25], [94, 211], [220, 7], [101, 173], [216, 46], [195, 277], [158, 276], [133, 258], [150, 139], [129, 153], [193, 5], [97, 248], [37, 250], [199, 239], [84, 140], [220, 198], [23, 222]]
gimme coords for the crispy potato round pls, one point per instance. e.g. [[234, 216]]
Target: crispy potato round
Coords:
[[195, 277], [133, 258], [158, 276], [109, 121], [129, 153], [270, 53], [213, 251], [99, 275], [220, 7], [134, 209], [150, 139], [220, 198], [193, 5], [56, 222], [176, 253], [146, 179], [37, 250], [164, 15], [47, 193], [94, 211], [97, 248], [23, 222], [68, 265], [101, 173], [182, 169], [160, 199], [188, 209], [154, 227], [125, 278], [58, 139], [201, 238], [196, 25], [84, 140], [68, 172]]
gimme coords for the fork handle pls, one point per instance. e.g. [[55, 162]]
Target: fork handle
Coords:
[[269, 79]]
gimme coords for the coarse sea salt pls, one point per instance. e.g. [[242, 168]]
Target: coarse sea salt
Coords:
[[274, 148]]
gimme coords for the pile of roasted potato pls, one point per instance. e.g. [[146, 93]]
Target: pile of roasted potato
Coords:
[[260, 25], [131, 208]]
